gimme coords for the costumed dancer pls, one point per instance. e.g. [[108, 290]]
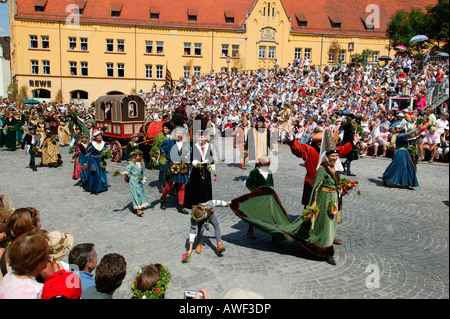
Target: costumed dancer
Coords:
[[241, 138], [199, 187], [93, 165], [132, 146], [176, 169], [2, 134], [402, 170], [63, 131], [136, 173], [31, 142], [9, 130], [259, 176], [158, 159], [50, 155], [310, 154], [80, 148], [259, 140], [349, 134], [74, 141], [201, 215], [319, 232]]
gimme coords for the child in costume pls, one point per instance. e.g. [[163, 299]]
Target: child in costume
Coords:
[[31, 142], [202, 214], [261, 175], [136, 172]]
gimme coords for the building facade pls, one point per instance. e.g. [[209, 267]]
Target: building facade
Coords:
[[78, 50]]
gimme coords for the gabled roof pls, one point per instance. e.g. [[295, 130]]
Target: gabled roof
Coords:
[[316, 16]]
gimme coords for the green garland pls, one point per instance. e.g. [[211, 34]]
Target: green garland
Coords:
[[158, 291]]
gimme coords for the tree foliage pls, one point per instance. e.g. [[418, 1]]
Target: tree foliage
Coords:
[[433, 23]]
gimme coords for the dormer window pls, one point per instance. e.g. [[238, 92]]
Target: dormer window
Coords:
[[80, 4], [301, 20], [116, 9], [154, 13], [192, 15], [229, 16], [335, 22], [39, 5], [367, 26]]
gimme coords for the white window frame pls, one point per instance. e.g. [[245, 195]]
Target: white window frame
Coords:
[[46, 67], [148, 71]]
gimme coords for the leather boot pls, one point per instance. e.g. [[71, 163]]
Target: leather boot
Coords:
[[198, 248], [182, 210], [163, 204], [220, 248]]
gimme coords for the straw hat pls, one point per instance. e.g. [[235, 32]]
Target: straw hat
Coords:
[[60, 243]]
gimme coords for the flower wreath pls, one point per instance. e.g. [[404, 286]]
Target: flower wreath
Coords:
[[203, 208], [158, 291]]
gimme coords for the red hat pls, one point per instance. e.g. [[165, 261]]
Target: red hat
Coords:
[[62, 284]]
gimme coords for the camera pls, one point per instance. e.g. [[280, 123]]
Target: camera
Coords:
[[190, 294]]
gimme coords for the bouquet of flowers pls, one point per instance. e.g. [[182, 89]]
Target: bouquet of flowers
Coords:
[[186, 257], [184, 168], [84, 167], [106, 154], [175, 169], [71, 150], [103, 165], [116, 173], [346, 185], [154, 156], [309, 214], [158, 290], [209, 168]]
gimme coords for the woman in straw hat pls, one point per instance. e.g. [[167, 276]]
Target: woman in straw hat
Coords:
[[136, 172]]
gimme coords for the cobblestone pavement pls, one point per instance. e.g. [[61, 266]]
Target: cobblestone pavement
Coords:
[[395, 240]]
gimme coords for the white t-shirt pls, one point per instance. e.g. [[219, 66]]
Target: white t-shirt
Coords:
[[13, 287]]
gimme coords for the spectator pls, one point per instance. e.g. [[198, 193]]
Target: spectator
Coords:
[[83, 260], [60, 244], [430, 142], [62, 284], [109, 275], [151, 282], [28, 255]]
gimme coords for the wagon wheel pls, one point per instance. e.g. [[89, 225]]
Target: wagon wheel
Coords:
[[116, 151]]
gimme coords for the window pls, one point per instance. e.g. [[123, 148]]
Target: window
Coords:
[[45, 42], [154, 16], [187, 49], [298, 53], [84, 44], [115, 13], [46, 67], [72, 43], [336, 25], [229, 20], [375, 55], [120, 70], [109, 69], [33, 41], [34, 67], [235, 51], [159, 71], [271, 53], [225, 50], [197, 71], [192, 18], [186, 72], [120, 45], [159, 47], [148, 71], [308, 54], [342, 56], [198, 49], [84, 68], [73, 68], [331, 56], [148, 47], [224, 69], [132, 109], [262, 52], [109, 45]]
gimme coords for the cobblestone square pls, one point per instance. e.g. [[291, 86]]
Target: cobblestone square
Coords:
[[395, 240]]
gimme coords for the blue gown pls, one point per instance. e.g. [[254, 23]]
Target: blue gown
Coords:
[[401, 171], [170, 148], [94, 177]]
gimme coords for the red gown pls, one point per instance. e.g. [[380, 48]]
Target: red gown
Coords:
[[76, 166]]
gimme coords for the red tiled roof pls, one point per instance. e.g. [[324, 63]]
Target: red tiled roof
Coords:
[[318, 14]]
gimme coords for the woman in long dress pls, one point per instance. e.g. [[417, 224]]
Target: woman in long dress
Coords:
[[402, 170], [50, 155], [199, 187], [136, 172], [81, 147], [93, 166]]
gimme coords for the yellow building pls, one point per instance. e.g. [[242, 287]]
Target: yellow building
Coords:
[[83, 49]]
